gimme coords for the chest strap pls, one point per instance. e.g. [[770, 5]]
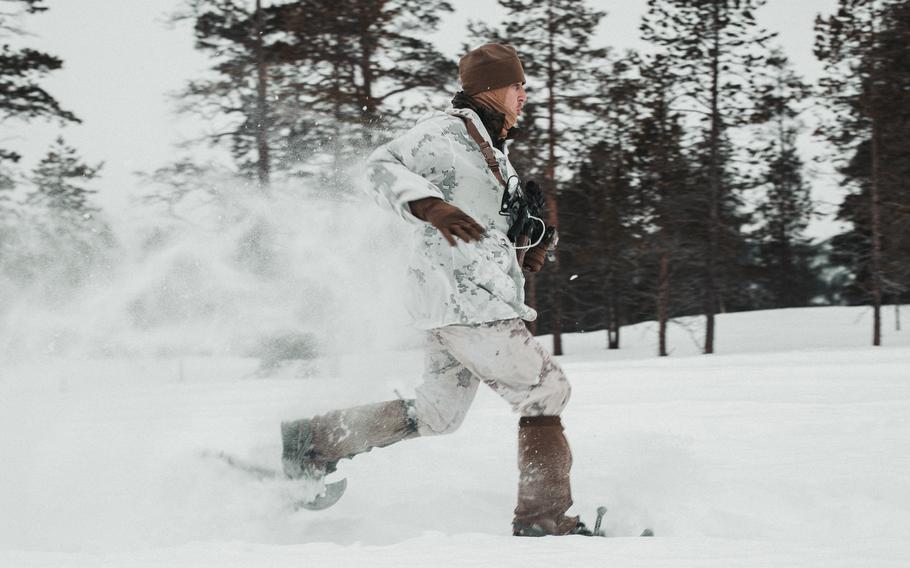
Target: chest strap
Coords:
[[490, 159], [485, 149]]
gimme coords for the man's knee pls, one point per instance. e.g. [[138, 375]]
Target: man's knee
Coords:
[[559, 398], [565, 393], [548, 399]]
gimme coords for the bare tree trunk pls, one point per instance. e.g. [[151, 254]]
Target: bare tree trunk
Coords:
[[710, 299], [263, 161], [876, 228], [338, 119], [875, 197], [663, 302], [368, 47], [556, 298], [531, 294], [550, 175], [612, 323], [897, 317], [613, 337]]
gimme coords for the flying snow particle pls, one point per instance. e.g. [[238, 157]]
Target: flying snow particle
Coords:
[[573, 277]]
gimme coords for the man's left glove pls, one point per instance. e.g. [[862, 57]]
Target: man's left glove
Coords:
[[534, 259], [450, 220]]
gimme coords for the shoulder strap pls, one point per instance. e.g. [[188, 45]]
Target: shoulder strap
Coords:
[[485, 149]]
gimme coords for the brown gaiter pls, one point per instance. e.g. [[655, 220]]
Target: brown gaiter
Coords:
[[544, 491], [346, 433]]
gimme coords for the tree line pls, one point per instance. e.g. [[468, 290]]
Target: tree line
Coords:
[[51, 232], [673, 174], [677, 180]]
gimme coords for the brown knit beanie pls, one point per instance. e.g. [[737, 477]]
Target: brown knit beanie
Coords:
[[490, 66]]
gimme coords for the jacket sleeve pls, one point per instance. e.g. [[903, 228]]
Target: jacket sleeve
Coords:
[[410, 167]]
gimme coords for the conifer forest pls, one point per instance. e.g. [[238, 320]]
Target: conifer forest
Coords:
[[673, 172]]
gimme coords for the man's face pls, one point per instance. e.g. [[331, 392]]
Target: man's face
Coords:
[[516, 97]]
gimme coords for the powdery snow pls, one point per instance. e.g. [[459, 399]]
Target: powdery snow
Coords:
[[788, 448]]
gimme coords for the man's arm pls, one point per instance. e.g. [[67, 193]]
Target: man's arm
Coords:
[[393, 183], [409, 168], [392, 173], [450, 220]]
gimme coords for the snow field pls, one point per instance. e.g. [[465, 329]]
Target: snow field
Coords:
[[788, 448]]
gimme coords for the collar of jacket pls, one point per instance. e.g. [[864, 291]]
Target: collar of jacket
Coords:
[[475, 118]]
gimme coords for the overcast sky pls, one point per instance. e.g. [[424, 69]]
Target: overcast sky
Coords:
[[122, 60]]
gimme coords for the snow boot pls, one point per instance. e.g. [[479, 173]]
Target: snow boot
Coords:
[[544, 491], [311, 447]]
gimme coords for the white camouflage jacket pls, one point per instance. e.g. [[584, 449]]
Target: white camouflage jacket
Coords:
[[470, 283]]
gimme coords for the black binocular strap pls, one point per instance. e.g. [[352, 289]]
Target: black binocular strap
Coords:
[[490, 159]]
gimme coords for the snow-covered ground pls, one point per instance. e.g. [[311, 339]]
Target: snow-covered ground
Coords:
[[790, 447]]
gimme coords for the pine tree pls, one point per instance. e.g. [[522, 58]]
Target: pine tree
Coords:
[[554, 39], [298, 82], [243, 96], [360, 61], [317, 39], [601, 211], [671, 206], [603, 235], [864, 49], [784, 212], [714, 47], [60, 180], [7, 184], [8, 214], [71, 235], [21, 96]]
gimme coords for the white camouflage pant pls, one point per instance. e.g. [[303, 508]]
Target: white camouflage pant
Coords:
[[502, 354]]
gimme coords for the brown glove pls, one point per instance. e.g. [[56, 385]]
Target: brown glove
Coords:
[[450, 220], [533, 260]]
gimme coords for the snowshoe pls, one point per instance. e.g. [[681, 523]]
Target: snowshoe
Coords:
[[535, 530], [324, 495], [598, 531]]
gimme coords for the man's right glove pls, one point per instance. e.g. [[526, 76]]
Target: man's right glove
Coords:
[[450, 220]]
